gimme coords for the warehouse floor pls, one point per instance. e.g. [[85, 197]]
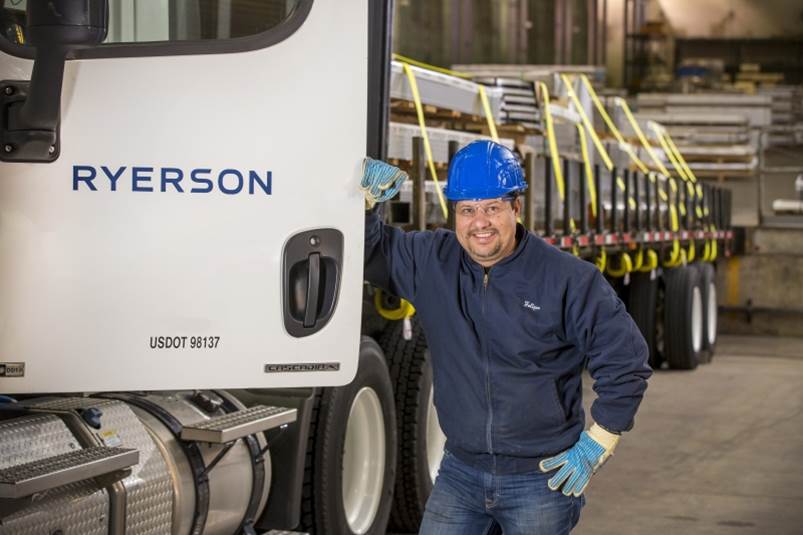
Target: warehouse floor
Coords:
[[715, 451]]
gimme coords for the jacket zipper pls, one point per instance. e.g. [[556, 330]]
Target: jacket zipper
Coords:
[[489, 424]]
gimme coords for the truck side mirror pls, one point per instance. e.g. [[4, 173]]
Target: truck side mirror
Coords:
[[30, 110]]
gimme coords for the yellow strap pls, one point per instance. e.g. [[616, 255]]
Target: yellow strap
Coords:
[[625, 266], [692, 252], [553, 145], [652, 261], [486, 107], [601, 260], [680, 158], [405, 59], [592, 190], [668, 151], [640, 133], [673, 217], [587, 122], [423, 126], [662, 194], [677, 257], [405, 309], [674, 155], [697, 209], [639, 261], [611, 125], [621, 185]]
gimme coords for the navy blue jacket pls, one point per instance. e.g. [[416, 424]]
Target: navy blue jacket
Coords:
[[508, 349]]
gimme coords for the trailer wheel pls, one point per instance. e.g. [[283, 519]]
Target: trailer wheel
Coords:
[[683, 318], [643, 307], [709, 289], [351, 453], [421, 440]]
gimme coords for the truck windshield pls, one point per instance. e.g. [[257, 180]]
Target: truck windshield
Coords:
[[137, 21]]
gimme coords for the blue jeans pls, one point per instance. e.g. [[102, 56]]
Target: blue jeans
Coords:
[[466, 501]]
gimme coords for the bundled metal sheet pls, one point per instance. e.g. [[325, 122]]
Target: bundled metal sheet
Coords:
[[756, 109], [518, 100], [787, 112], [444, 91], [533, 73], [400, 141]]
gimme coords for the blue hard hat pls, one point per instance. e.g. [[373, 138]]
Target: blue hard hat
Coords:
[[484, 169]]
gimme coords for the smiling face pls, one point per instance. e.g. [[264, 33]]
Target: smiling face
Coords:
[[487, 229]]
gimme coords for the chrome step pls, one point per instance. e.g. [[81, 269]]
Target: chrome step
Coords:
[[51, 472], [230, 427]]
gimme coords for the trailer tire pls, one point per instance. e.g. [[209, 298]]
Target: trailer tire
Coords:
[[332, 450], [683, 322], [708, 285], [420, 439], [643, 307]]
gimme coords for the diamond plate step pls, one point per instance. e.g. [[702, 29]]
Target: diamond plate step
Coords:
[[232, 426], [51, 472]]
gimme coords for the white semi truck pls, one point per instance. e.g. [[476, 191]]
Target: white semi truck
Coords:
[[187, 345], [181, 268]]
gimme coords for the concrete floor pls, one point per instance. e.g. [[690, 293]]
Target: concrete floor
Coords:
[[714, 451]]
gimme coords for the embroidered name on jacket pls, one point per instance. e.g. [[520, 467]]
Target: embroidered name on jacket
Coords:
[[531, 306]]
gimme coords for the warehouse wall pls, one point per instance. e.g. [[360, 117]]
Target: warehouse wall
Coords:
[[615, 57], [445, 32], [735, 18]]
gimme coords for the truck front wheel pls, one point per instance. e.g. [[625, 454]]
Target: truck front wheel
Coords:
[[351, 455]]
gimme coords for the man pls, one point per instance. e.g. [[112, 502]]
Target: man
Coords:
[[511, 323]]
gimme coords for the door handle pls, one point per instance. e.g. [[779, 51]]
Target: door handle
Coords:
[[313, 284], [312, 266]]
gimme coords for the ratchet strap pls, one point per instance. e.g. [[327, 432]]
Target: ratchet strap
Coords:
[[419, 110], [405, 309], [594, 137], [625, 266], [592, 189]]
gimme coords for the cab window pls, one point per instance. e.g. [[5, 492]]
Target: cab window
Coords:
[[149, 21]]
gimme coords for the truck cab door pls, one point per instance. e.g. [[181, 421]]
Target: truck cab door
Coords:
[[202, 225]]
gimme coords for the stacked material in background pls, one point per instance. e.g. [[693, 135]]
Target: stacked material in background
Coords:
[[534, 73], [518, 100], [453, 113], [443, 91], [718, 133], [787, 114]]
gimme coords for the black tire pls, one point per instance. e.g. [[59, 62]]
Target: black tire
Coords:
[[682, 324], [643, 306], [708, 284], [411, 373], [322, 502]]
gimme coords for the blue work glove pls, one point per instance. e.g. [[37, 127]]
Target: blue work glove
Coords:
[[578, 463], [380, 181]]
